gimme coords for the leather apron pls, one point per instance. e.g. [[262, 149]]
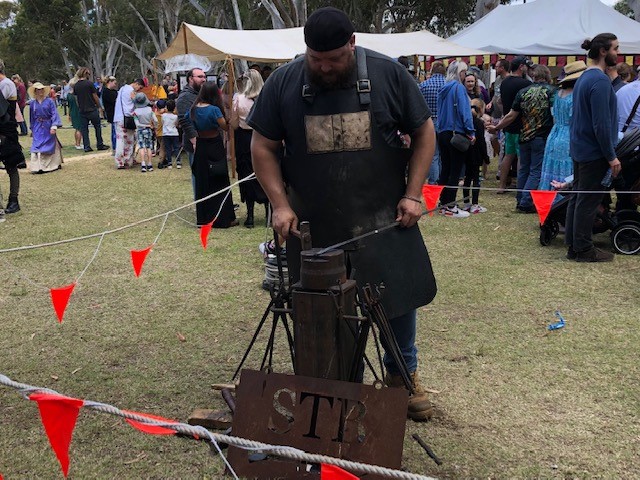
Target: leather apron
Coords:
[[349, 183]]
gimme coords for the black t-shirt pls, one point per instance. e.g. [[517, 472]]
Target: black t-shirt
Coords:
[[84, 91], [509, 88], [396, 102], [109, 101]]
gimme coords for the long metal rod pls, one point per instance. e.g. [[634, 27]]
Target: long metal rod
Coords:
[[382, 229]]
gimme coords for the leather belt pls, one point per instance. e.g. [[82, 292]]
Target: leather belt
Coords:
[[208, 133]]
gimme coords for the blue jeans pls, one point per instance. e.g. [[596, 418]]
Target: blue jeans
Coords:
[[171, 146], [529, 170], [404, 329], [434, 170]]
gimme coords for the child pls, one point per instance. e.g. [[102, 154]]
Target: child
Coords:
[[170, 133], [476, 156], [145, 121], [159, 144]]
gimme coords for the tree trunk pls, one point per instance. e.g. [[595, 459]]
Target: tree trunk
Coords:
[[236, 12], [485, 6], [635, 6], [276, 18]]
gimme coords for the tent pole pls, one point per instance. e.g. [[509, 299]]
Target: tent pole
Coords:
[[155, 78], [231, 81], [184, 37]]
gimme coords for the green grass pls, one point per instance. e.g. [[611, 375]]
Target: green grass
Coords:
[[515, 402]]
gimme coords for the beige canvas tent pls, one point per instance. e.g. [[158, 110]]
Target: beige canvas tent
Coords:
[[284, 44]]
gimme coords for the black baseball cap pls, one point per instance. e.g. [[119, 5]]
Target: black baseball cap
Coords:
[[326, 29], [520, 60]]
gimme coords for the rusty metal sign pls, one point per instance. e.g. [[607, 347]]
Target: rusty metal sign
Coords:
[[347, 420]]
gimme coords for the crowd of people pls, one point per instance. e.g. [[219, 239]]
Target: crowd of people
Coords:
[[520, 118], [535, 129], [143, 130]]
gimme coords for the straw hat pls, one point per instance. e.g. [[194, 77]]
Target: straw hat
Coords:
[[38, 86], [573, 71]]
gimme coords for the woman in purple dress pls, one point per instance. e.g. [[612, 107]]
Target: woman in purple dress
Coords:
[[46, 154]]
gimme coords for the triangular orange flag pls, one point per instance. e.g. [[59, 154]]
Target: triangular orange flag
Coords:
[[152, 429], [60, 298], [204, 232], [331, 472], [431, 195], [138, 257], [543, 199], [59, 415]]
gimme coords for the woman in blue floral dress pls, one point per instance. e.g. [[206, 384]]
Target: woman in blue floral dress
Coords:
[[557, 164]]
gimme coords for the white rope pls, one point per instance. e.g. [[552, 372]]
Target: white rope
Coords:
[[166, 217], [215, 438], [131, 225], [95, 254], [23, 276]]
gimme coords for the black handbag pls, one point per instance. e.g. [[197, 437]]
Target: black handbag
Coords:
[[218, 168], [460, 142], [129, 123]]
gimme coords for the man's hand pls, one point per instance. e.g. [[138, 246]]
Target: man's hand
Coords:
[[492, 129], [193, 143], [616, 166], [284, 220], [409, 212]]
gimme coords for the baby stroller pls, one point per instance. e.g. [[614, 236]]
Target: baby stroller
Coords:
[[623, 223]]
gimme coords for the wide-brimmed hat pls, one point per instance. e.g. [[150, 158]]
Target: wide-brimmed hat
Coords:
[[140, 100], [573, 70], [38, 86]]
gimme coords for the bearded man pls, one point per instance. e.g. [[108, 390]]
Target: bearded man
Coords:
[[195, 78], [339, 110], [593, 136]]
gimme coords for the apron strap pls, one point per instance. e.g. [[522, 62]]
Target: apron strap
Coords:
[[363, 84]]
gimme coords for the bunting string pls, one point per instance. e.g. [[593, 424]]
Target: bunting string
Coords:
[[251, 177], [22, 275], [193, 224], [126, 227], [199, 433], [542, 199], [164, 222], [95, 254]]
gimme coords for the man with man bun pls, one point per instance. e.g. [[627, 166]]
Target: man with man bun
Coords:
[[593, 136]]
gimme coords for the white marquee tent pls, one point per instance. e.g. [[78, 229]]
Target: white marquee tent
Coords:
[[549, 27], [284, 44]]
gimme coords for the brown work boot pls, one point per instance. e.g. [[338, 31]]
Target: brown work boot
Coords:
[[594, 255], [420, 408]]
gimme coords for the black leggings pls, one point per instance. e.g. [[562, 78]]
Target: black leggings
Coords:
[[471, 176]]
